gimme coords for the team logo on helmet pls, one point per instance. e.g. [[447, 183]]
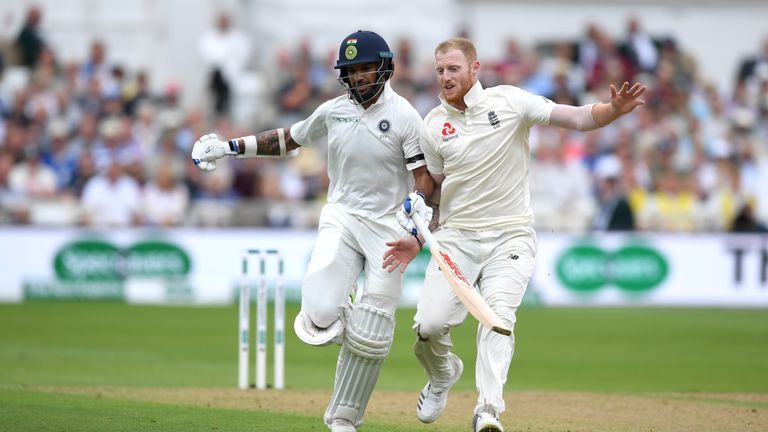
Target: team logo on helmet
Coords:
[[384, 126], [350, 52]]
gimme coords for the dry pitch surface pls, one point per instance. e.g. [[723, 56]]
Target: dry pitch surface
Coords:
[[526, 410]]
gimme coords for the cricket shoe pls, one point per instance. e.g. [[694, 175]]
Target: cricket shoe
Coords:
[[486, 422], [433, 398], [342, 425]]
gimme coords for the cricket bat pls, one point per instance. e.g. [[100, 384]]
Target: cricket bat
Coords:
[[464, 290]]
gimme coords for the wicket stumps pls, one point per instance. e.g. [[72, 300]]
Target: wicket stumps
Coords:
[[277, 276]]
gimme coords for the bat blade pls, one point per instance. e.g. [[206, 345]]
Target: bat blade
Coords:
[[464, 290]]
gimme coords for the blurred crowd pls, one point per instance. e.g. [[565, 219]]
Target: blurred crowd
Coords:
[[89, 144]]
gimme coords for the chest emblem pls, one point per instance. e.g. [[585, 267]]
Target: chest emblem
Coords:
[[493, 119], [449, 132], [384, 126]]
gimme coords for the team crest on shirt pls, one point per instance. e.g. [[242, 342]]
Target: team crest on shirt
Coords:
[[449, 132], [493, 119], [384, 126]]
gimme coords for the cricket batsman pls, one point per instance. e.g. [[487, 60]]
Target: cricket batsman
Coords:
[[374, 159]]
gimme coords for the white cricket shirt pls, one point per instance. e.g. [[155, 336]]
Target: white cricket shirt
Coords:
[[484, 155], [367, 151]]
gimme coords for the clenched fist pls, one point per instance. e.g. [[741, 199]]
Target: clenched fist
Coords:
[[208, 149]]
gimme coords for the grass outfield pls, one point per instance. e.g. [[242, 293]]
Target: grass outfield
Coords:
[[103, 366]]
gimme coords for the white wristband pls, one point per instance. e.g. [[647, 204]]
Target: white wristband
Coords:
[[250, 147], [281, 141]]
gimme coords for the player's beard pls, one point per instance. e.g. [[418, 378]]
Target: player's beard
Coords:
[[364, 92], [461, 85]]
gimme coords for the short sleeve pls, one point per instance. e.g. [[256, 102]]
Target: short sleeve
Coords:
[[414, 156], [313, 127], [535, 109], [428, 144]]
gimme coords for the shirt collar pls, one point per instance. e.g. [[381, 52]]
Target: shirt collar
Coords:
[[474, 97]]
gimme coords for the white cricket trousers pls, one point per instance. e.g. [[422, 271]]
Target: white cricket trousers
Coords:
[[347, 245], [500, 263]]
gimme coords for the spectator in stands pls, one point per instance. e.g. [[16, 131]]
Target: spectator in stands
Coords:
[[587, 47], [86, 137], [567, 76], [561, 193], [30, 42], [745, 221], [167, 154], [603, 62], [216, 201], [614, 213], [86, 169], [673, 205], [511, 69], [31, 180], [170, 113], [59, 155], [639, 49], [191, 127], [91, 98], [403, 80], [16, 138], [754, 66], [116, 143], [297, 92], [725, 152], [225, 51], [136, 93], [42, 103], [10, 202], [164, 199], [145, 129], [46, 72], [112, 198], [97, 69]]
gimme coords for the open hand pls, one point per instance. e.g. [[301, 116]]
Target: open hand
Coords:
[[400, 253], [626, 98]]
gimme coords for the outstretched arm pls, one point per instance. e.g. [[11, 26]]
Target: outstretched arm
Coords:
[[276, 143], [590, 117], [272, 143]]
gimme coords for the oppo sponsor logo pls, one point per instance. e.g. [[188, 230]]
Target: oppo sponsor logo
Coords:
[[92, 260], [633, 268], [338, 119]]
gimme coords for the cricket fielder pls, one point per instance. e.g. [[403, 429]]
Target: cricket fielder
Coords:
[[476, 147], [374, 159]]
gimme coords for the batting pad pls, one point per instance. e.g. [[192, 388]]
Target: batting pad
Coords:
[[366, 344]]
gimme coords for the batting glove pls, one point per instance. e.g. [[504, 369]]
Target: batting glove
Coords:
[[413, 204], [208, 149]]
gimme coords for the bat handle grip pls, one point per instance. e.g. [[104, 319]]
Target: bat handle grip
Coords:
[[423, 228]]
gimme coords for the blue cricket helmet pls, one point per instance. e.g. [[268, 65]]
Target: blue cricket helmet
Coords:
[[362, 47]]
